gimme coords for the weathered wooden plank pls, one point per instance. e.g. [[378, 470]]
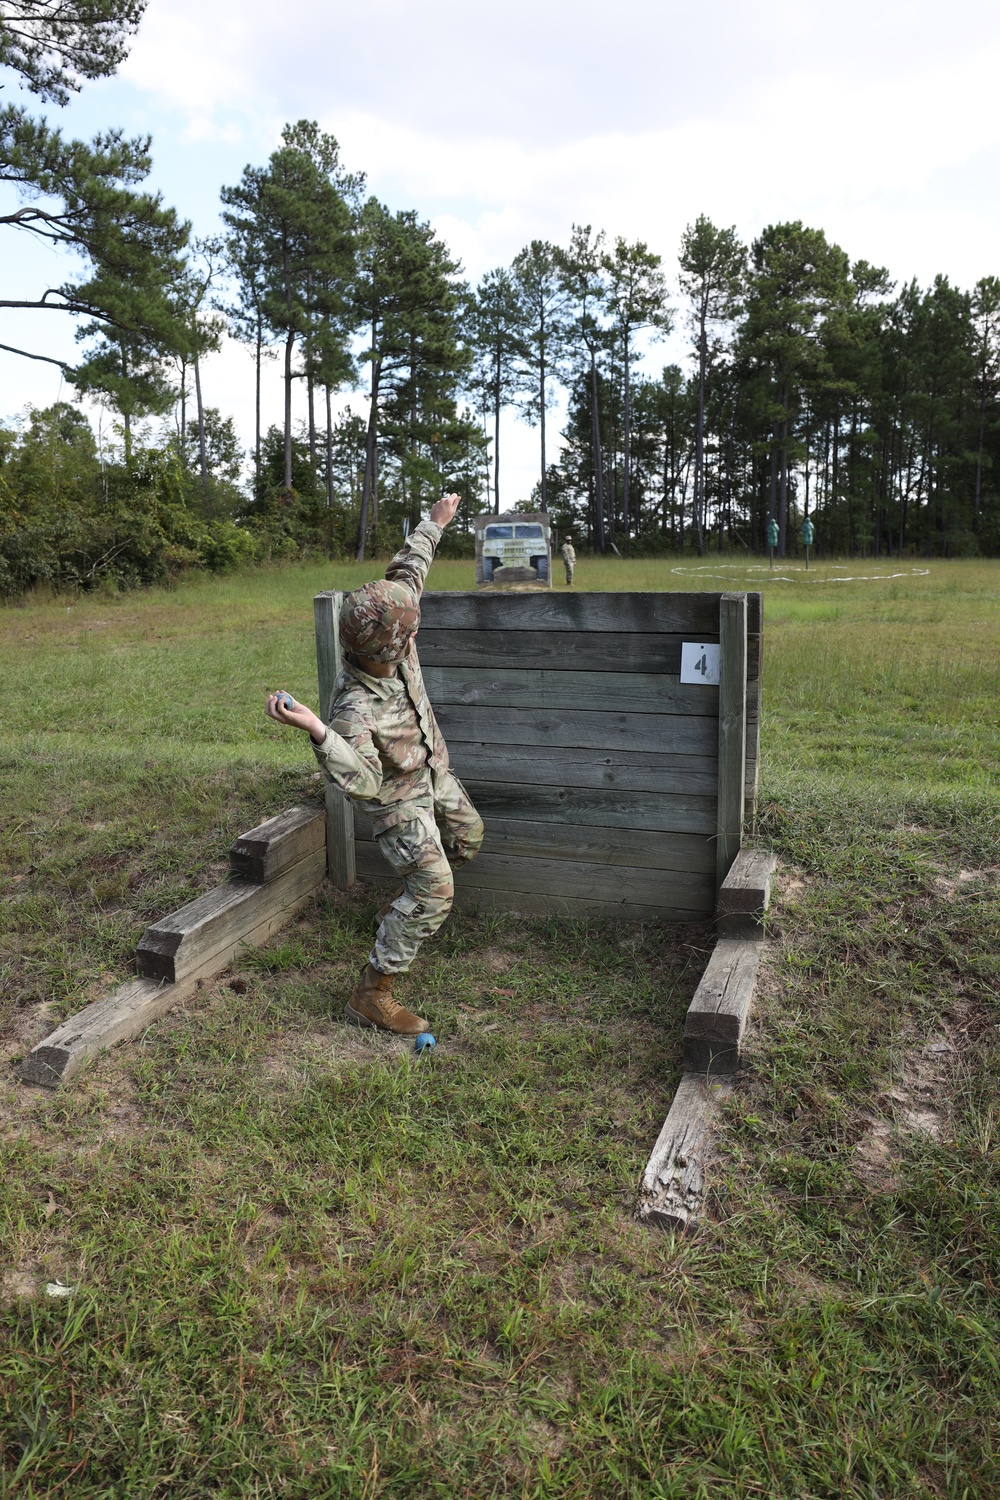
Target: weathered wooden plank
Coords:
[[753, 755], [611, 651], [267, 851], [732, 728], [135, 1005], [640, 849], [222, 921], [616, 883], [746, 890], [672, 1192], [684, 734], [745, 894], [750, 800], [583, 881], [119, 1016], [619, 770], [602, 845], [717, 1016], [673, 813], [339, 817], [326, 619], [533, 687], [694, 615], [755, 658], [561, 651], [472, 898]]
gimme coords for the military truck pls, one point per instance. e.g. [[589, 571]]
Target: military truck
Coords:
[[515, 552]]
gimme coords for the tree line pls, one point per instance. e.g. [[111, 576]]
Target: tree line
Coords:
[[814, 386]]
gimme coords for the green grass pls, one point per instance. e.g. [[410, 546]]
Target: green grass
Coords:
[[307, 1264]]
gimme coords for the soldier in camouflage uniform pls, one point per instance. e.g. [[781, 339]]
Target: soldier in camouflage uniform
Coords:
[[569, 557], [384, 749]]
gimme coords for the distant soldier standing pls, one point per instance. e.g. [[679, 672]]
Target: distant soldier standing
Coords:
[[384, 749], [568, 557]]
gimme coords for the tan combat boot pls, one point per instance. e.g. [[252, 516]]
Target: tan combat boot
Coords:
[[372, 1005]]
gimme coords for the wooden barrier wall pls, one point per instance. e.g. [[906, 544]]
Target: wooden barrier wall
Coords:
[[607, 786]]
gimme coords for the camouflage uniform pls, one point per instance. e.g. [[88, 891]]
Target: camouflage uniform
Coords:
[[384, 749], [569, 559]]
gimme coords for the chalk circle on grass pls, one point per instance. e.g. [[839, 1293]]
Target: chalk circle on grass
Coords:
[[801, 573]]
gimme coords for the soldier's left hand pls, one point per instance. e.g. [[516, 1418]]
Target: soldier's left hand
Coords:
[[297, 717]]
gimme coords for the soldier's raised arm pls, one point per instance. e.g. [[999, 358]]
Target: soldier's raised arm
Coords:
[[413, 559]]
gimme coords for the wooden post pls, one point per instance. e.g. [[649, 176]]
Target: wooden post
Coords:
[[339, 811], [732, 730]]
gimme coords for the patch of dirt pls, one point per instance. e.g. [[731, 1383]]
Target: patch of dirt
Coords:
[[543, 1437], [497, 960], [874, 1155], [18, 1283], [26, 1025], [950, 886], [916, 1103], [789, 885], [333, 1046], [807, 1287]]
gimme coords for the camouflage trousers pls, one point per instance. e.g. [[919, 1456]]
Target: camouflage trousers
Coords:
[[570, 568], [441, 831]]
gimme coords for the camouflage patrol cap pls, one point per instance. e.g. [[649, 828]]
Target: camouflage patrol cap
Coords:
[[379, 620]]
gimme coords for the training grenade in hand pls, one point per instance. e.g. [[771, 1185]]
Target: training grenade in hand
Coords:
[[424, 1040], [287, 702]]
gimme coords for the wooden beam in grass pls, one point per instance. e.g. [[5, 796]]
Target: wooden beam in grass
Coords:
[[717, 1016], [745, 895], [193, 945], [672, 1192]]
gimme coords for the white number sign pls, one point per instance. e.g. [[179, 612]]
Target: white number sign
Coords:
[[699, 663]]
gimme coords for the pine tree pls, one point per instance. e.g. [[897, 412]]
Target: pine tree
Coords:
[[406, 303], [712, 266], [796, 278], [54, 47], [636, 300], [986, 324], [497, 325], [581, 270], [290, 231], [247, 258], [543, 297], [130, 244]]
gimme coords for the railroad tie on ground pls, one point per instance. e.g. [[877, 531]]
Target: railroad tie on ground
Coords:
[[673, 1186], [276, 868], [745, 895]]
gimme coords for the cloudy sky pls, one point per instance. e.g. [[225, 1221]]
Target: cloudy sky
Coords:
[[871, 119]]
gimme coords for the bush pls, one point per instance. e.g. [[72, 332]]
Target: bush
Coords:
[[71, 522]]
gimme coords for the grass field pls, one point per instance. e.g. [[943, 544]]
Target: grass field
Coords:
[[306, 1264]]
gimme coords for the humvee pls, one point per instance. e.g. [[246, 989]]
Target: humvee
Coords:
[[510, 545]]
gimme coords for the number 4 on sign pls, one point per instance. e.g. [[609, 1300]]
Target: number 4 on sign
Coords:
[[700, 663]]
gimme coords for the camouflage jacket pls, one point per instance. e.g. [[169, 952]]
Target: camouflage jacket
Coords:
[[383, 738]]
